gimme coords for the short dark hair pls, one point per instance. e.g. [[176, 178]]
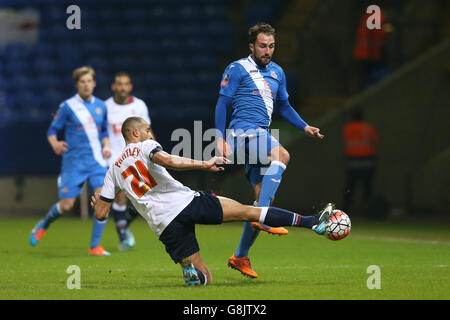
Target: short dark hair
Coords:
[[260, 28], [129, 124], [122, 74]]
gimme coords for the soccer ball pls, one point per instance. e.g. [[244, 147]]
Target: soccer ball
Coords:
[[338, 226]]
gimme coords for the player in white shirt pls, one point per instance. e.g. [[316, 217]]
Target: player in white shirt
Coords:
[[121, 106], [172, 209]]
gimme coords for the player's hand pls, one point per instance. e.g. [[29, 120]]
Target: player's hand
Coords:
[[223, 147], [211, 164], [94, 199], [60, 147], [106, 152], [313, 132]]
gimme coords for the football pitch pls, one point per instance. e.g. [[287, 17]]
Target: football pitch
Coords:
[[412, 261]]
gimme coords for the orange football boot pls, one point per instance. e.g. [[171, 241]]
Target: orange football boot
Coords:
[[36, 236], [259, 226], [243, 265], [98, 251]]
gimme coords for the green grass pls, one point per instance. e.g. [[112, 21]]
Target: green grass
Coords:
[[414, 262]]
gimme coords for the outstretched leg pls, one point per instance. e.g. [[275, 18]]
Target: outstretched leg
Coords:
[[272, 216]]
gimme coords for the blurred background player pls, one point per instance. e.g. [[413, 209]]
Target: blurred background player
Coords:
[[251, 86], [361, 140], [83, 151], [121, 106], [171, 209]]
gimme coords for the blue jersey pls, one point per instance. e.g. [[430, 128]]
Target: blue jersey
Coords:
[[253, 90], [85, 125]]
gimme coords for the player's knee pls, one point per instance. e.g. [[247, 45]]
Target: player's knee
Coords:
[[65, 205], [280, 154], [284, 156]]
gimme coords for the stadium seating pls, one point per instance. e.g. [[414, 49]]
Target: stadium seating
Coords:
[[171, 48], [164, 45]]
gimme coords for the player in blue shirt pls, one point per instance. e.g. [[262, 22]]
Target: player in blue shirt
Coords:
[[251, 87], [86, 145]]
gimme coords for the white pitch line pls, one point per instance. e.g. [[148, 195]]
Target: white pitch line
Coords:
[[407, 240]]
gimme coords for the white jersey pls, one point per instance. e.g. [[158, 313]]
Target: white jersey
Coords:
[[117, 114], [155, 194]]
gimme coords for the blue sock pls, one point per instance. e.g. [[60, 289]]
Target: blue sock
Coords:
[[119, 214], [247, 239], [51, 216], [97, 232], [270, 183], [277, 217]]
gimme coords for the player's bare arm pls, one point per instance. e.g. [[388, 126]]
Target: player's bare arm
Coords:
[[59, 147], [223, 147], [313, 132], [101, 207], [106, 150], [173, 162]]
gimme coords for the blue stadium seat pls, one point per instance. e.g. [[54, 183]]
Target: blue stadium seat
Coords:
[[136, 14], [68, 50], [45, 81], [148, 48], [91, 47], [9, 116], [124, 63], [139, 32], [16, 52], [154, 80], [159, 13], [19, 82], [43, 49], [218, 29], [103, 78], [110, 14], [51, 98], [67, 65], [3, 85], [203, 61], [188, 12], [119, 48], [99, 63], [42, 64], [193, 30], [17, 66]]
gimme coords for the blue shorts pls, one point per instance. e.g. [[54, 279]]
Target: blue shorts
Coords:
[[251, 147], [179, 236], [73, 176]]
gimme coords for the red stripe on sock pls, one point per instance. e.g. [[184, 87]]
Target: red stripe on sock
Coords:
[[298, 221]]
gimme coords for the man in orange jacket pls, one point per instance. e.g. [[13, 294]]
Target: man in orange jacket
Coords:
[[369, 49], [361, 140]]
